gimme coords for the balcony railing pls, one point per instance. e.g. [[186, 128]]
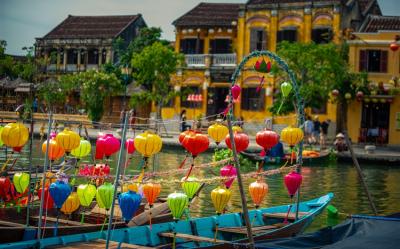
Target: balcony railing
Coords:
[[207, 60], [224, 59], [71, 68], [51, 68]]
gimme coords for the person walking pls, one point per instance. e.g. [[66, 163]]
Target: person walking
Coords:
[[324, 133], [184, 125], [308, 130], [317, 127]]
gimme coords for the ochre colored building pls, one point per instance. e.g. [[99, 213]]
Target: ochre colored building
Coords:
[[215, 37], [375, 117]]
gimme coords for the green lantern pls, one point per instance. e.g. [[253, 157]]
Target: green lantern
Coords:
[[1, 141], [86, 193], [177, 203], [105, 195], [21, 181], [190, 186], [83, 149], [286, 88]]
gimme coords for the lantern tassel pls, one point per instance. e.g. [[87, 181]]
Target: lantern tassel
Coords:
[[287, 214], [83, 218], [189, 172], [292, 156], [183, 162], [260, 85], [280, 106], [216, 233], [150, 224], [102, 227], [174, 241]]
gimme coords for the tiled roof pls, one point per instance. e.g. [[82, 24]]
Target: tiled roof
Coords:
[[250, 2], [374, 23], [90, 27], [366, 5], [209, 14]]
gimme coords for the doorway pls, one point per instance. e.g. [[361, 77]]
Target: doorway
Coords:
[[375, 122], [216, 100]]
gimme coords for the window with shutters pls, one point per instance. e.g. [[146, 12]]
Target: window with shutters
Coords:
[[221, 46], [288, 34], [252, 100], [192, 46], [258, 39], [322, 35], [374, 61]]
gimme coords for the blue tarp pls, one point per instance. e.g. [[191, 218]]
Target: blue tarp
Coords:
[[365, 232]]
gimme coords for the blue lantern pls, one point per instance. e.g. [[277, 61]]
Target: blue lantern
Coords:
[[59, 191], [129, 203]]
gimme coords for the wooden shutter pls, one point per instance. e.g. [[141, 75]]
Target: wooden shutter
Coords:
[[383, 62], [363, 66], [253, 39]]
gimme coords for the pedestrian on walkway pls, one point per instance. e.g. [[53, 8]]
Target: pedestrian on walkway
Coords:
[[324, 132], [317, 127], [308, 129], [184, 125]]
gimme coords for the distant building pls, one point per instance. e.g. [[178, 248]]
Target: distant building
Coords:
[[215, 37], [375, 117]]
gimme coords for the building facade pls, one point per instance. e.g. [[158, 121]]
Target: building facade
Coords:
[[215, 37], [374, 117]]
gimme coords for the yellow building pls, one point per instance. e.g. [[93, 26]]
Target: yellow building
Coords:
[[375, 117], [215, 37]]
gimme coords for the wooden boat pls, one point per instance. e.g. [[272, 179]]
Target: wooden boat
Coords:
[[267, 223], [310, 159]]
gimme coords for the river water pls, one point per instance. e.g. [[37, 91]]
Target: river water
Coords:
[[341, 179]]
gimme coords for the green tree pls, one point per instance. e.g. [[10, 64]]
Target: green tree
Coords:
[[153, 67]]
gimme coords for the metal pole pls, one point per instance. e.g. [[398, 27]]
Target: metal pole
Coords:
[[30, 171], [360, 174], [46, 164], [120, 159], [239, 177]]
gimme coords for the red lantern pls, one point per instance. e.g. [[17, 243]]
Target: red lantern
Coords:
[[101, 169], [241, 141], [48, 201], [267, 139], [130, 146], [5, 188], [359, 94], [195, 143], [292, 182], [183, 135], [394, 46], [235, 92], [108, 145], [335, 92], [100, 147]]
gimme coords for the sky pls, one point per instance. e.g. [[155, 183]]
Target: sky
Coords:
[[21, 21]]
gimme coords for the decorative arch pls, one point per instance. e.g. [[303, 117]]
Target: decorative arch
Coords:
[[193, 80], [322, 19], [290, 19], [258, 18]]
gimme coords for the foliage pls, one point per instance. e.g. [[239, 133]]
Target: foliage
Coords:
[[221, 154], [153, 67], [317, 68], [52, 92], [94, 87]]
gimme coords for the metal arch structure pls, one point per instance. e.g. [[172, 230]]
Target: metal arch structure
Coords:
[[300, 120]]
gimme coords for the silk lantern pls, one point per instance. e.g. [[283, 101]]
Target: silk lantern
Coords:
[[71, 204], [86, 193], [129, 203], [105, 195], [262, 66], [130, 187], [220, 198], [21, 181], [177, 203], [183, 135], [292, 182], [59, 191], [130, 146], [55, 150], [235, 91], [68, 140], [82, 150], [217, 132], [5, 187], [241, 141], [292, 136], [228, 171], [267, 139], [1, 141], [48, 201], [100, 146], [14, 135], [148, 144], [258, 190], [190, 186], [195, 143], [394, 46], [151, 192], [110, 145], [286, 88]]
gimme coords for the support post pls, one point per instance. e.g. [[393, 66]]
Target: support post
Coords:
[[360, 174], [30, 170]]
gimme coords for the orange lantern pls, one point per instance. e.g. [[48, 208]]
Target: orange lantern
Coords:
[[258, 190], [151, 192], [55, 150]]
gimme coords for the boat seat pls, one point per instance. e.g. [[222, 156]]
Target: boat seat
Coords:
[[243, 230], [291, 216], [191, 237]]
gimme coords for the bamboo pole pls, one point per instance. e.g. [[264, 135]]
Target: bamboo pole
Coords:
[[360, 173], [30, 170], [46, 164], [120, 159]]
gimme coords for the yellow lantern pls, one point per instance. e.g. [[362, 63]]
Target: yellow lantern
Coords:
[[130, 187], [218, 132], [71, 204], [236, 128], [220, 197], [68, 140], [14, 135], [148, 143], [50, 178], [82, 150], [292, 135]]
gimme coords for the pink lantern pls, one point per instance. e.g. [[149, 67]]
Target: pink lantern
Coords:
[[110, 145], [359, 94], [200, 97], [292, 182], [335, 92], [53, 135], [228, 171], [235, 92], [190, 97], [130, 146]]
